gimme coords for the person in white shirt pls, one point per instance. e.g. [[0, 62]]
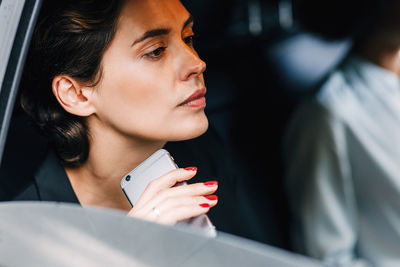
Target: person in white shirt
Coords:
[[342, 157]]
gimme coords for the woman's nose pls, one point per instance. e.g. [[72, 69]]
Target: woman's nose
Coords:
[[192, 65]]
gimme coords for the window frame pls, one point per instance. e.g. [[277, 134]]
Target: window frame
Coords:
[[16, 61]]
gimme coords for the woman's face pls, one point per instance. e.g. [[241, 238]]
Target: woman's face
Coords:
[[152, 83]]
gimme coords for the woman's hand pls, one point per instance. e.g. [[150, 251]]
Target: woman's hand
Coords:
[[163, 203]]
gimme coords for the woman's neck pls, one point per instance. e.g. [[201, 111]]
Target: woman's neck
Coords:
[[111, 156]]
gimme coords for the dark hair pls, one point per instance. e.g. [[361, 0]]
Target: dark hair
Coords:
[[70, 38]]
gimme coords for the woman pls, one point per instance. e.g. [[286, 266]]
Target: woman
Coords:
[[111, 82]]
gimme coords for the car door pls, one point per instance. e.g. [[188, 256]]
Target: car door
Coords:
[[17, 21]]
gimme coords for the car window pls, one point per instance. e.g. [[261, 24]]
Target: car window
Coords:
[[10, 14], [17, 21]]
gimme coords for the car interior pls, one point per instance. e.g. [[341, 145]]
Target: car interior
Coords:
[[261, 62]]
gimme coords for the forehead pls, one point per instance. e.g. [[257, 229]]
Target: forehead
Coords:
[[146, 14]]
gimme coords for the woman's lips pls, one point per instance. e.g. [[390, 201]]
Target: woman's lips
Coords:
[[196, 103], [195, 100]]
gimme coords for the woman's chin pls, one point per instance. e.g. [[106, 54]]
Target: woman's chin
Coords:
[[192, 131]]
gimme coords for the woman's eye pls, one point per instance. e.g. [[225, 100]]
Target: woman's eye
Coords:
[[189, 40], [157, 53]]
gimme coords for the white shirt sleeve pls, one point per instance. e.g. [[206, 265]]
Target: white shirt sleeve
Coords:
[[320, 187]]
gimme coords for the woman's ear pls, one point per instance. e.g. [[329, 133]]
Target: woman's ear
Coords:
[[72, 96]]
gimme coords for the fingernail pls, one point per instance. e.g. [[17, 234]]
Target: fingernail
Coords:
[[212, 197], [191, 169], [211, 183], [204, 205]]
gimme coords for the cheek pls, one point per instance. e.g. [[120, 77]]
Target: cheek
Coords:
[[136, 82], [124, 88], [132, 102]]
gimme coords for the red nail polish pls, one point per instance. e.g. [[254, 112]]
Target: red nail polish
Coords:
[[211, 183], [212, 197], [204, 205], [191, 169]]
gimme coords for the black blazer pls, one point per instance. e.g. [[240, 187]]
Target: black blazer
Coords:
[[50, 183], [245, 206]]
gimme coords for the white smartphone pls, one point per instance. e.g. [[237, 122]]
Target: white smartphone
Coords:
[[159, 163]]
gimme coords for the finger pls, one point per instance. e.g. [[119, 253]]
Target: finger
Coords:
[[181, 208], [175, 176], [181, 213], [166, 181], [198, 189]]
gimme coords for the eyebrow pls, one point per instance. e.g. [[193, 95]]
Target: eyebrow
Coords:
[[158, 32]]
